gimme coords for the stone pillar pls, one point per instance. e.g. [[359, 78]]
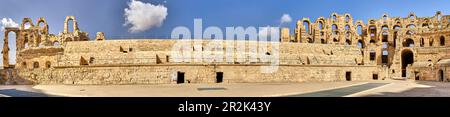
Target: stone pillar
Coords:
[[5, 51]]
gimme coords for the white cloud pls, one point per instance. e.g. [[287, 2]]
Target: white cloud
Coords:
[[143, 16], [285, 18], [8, 22]]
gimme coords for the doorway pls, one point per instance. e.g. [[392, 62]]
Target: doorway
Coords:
[[180, 77], [441, 75], [219, 77], [348, 76], [407, 58], [375, 76]]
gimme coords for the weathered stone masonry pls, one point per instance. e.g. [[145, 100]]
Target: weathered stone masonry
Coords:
[[328, 49]]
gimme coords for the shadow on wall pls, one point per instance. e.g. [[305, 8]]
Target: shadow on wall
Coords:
[[23, 93], [9, 76], [432, 89]]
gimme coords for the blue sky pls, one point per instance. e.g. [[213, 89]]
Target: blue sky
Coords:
[[108, 15]]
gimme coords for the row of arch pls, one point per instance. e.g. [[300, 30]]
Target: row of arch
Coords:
[[360, 28], [36, 65]]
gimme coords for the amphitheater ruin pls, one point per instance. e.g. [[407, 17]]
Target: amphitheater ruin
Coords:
[[337, 48]]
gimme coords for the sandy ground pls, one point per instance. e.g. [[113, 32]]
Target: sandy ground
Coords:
[[184, 90], [393, 88]]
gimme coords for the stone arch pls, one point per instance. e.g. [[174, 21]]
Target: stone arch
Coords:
[[320, 23], [310, 40], [407, 57], [372, 41], [360, 43], [48, 64], [24, 65], [372, 31], [334, 16], [438, 16], [8, 51], [35, 64], [334, 27], [347, 27], [422, 42], [306, 23], [426, 23], [56, 43], [408, 42], [411, 26], [431, 42], [25, 21], [348, 18], [360, 27], [412, 16], [42, 29], [26, 41], [385, 17], [348, 42], [74, 24], [323, 41]]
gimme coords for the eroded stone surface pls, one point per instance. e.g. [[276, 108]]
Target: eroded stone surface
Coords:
[[327, 49]]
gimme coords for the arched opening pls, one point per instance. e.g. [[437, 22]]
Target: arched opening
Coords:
[[372, 42], [48, 64], [335, 40], [407, 58], [411, 26], [25, 41], [442, 41], [24, 65], [348, 42], [334, 27], [334, 17], [408, 43], [359, 30], [360, 44], [12, 40], [372, 56], [347, 18], [372, 32], [70, 25], [431, 42], [441, 75], [425, 25], [35, 64], [323, 41], [384, 37], [384, 57], [56, 43], [411, 17], [396, 28], [320, 25], [27, 25], [347, 27], [310, 40], [306, 25], [422, 42]]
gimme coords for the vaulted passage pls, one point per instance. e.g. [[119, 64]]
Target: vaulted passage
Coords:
[[407, 58]]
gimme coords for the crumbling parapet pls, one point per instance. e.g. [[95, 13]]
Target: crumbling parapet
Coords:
[[100, 36]]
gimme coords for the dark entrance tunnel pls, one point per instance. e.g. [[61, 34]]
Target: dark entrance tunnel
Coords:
[[407, 58]]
